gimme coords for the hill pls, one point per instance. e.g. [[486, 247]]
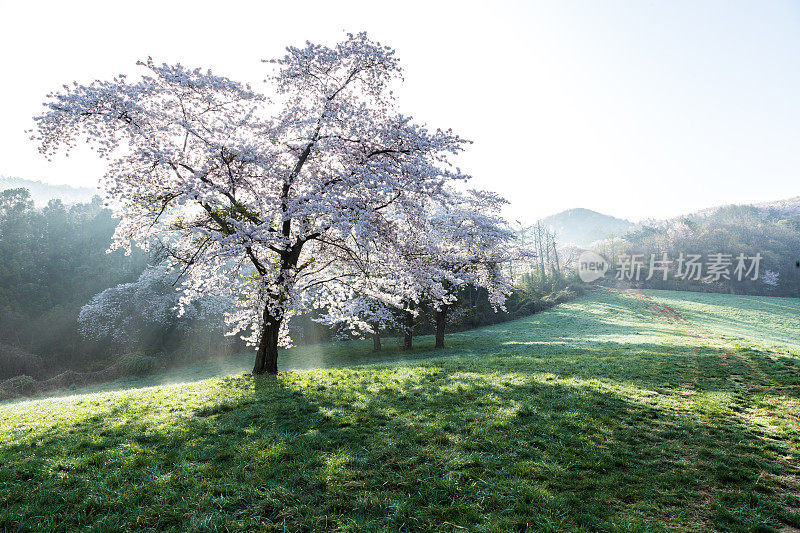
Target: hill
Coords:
[[769, 232], [41, 193], [582, 227], [785, 208], [617, 411], [788, 207]]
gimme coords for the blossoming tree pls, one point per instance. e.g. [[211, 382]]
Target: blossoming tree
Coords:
[[454, 244], [256, 198], [459, 243], [470, 245], [362, 315], [128, 313]]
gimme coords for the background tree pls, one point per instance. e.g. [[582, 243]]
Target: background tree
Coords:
[[140, 316], [470, 244], [52, 261], [364, 316]]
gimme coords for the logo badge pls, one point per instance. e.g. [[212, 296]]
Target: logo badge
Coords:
[[591, 266]]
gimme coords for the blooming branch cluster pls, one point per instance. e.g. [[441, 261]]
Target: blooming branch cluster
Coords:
[[122, 313]]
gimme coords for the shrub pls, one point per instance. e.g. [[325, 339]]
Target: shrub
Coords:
[[16, 362], [133, 364], [17, 386]]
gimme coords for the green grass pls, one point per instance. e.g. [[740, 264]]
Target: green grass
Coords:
[[596, 415], [758, 321]]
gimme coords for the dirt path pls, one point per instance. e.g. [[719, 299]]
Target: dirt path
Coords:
[[757, 381], [704, 336]]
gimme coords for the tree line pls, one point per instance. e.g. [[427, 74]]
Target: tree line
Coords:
[[767, 239]]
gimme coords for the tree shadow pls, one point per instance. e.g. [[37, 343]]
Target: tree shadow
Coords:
[[467, 445]]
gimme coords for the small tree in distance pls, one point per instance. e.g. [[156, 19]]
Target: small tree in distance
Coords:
[[362, 315], [263, 202], [464, 242], [471, 243], [129, 314]]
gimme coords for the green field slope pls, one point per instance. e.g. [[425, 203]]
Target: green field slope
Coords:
[[615, 412]]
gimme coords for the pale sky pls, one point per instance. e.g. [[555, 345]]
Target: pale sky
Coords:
[[637, 109]]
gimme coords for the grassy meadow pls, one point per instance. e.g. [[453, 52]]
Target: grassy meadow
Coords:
[[614, 412]]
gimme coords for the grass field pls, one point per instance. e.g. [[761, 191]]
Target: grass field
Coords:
[[615, 412]]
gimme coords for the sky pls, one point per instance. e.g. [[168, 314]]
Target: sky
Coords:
[[638, 109]]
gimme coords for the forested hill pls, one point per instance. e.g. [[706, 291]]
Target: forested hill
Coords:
[[41, 193], [788, 207], [584, 226], [770, 231]]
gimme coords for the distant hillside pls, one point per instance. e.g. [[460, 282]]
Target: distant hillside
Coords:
[[41, 193], [769, 231], [584, 226], [788, 207]]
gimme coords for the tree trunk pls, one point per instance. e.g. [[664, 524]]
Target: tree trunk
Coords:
[[441, 320], [555, 254], [267, 354], [408, 332], [540, 250], [376, 342]]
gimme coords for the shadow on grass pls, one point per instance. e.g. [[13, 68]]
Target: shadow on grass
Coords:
[[487, 446], [559, 421]]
